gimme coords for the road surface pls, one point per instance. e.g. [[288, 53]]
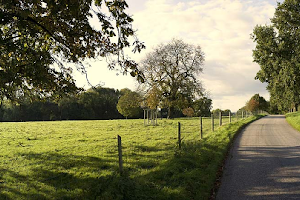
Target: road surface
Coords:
[[264, 162]]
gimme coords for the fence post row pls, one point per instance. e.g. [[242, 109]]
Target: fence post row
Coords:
[[179, 136], [120, 154], [220, 116]]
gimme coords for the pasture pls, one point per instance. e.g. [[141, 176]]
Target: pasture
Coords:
[[79, 159]]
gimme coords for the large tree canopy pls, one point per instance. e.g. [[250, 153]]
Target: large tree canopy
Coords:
[[202, 106], [278, 53], [171, 72], [39, 36], [129, 104], [257, 103]]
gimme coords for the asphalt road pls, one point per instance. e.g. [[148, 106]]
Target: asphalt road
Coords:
[[264, 162]]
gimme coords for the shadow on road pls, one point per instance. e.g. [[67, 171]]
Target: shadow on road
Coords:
[[265, 162]]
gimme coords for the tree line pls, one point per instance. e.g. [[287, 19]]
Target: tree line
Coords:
[[96, 103], [277, 53], [93, 104]]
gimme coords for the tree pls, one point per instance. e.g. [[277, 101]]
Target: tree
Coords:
[[188, 112], [252, 105], [277, 52], [153, 98], [100, 103], [38, 37], [70, 108], [216, 112], [129, 105], [171, 70], [226, 112], [256, 103], [202, 107]]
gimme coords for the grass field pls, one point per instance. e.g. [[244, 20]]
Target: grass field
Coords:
[[294, 119], [79, 159]]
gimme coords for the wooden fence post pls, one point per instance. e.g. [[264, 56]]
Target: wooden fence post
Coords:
[[237, 116], [201, 129], [220, 116], [179, 135], [229, 117], [120, 154], [242, 114], [212, 123]]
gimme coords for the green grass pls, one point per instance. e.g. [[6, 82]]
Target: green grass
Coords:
[[294, 119], [79, 159]]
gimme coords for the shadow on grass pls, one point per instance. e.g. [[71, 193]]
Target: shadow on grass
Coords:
[[56, 176], [189, 173]]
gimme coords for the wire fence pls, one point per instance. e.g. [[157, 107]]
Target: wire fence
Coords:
[[138, 148], [184, 130]]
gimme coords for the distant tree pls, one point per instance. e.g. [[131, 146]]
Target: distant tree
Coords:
[[37, 37], [99, 103], [216, 112], [226, 112], [202, 107], [171, 70], [242, 109], [153, 98], [71, 108], [252, 105], [256, 103], [189, 112], [129, 105], [278, 54]]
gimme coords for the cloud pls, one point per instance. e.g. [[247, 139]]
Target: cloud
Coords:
[[222, 28]]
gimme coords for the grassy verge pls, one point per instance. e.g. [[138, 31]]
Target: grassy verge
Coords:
[[78, 159], [293, 119]]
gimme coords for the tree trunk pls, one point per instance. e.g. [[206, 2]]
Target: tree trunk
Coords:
[[171, 112], [296, 107]]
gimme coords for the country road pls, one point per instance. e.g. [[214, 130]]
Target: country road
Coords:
[[264, 162]]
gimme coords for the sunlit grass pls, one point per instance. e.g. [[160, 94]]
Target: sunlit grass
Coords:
[[294, 119], [79, 159]]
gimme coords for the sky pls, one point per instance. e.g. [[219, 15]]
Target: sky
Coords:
[[221, 27]]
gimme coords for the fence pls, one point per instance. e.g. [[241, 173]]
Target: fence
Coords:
[[185, 129]]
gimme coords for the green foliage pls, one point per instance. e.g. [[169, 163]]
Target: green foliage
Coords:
[[202, 107], [277, 52], [99, 103], [37, 37], [129, 104], [171, 74], [95, 103], [217, 111], [79, 159], [256, 103]]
